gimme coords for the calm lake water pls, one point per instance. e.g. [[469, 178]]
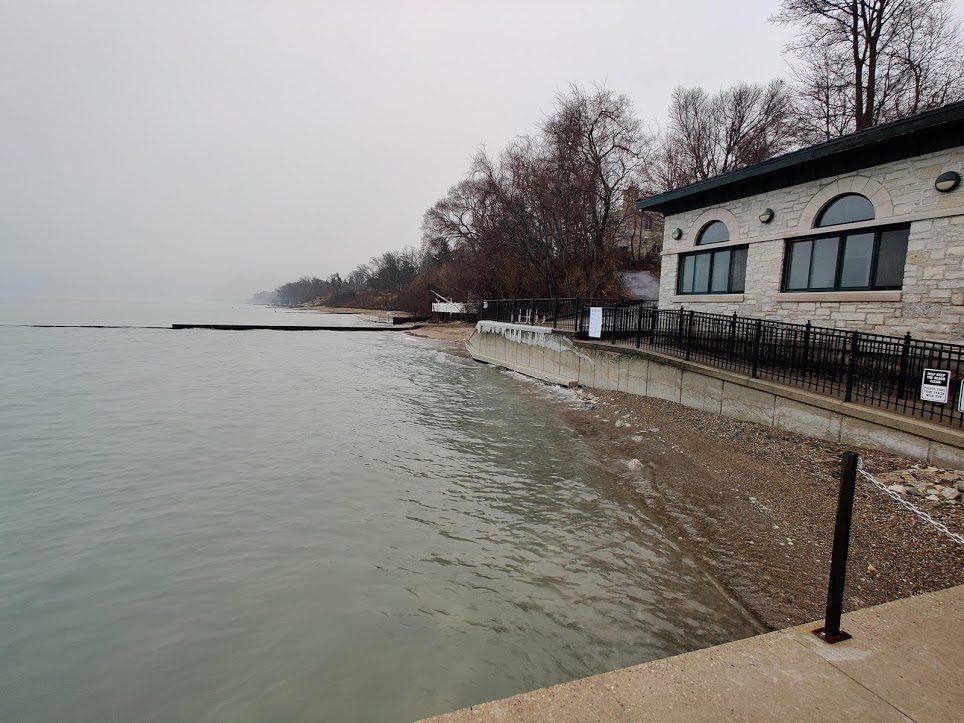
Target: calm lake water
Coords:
[[252, 526]]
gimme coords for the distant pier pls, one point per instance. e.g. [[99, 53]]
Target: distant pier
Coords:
[[225, 327], [282, 327]]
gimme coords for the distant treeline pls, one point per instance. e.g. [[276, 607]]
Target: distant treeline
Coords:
[[385, 275]]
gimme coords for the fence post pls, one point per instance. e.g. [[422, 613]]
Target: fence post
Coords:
[[653, 325], [805, 362], [902, 374], [679, 329], [639, 326], [555, 310], [757, 335], [512, 315], [732, 344], [532, 311], [689, 334], [578, 325], [616, 310], [852, 369], [831, 632]]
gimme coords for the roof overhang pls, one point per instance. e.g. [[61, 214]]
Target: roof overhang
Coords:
[[928, 132]]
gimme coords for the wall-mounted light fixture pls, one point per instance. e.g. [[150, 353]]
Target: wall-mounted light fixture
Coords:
[[947, 181], [677, 234], [766, 215]]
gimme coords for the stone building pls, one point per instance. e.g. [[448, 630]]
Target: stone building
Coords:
[[640, 234], [862, 232]]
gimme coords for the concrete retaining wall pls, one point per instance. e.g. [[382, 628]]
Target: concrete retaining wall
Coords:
[[554, 357]]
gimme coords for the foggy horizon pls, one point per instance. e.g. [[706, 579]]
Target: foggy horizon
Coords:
[[174, 151]]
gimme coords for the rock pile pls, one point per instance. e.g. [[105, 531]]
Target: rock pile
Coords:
[[929, 484]]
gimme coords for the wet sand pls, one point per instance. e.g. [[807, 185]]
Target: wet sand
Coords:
[[456, 331]]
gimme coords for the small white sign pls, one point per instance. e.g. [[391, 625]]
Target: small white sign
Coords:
[[935, 385], [595, 322], [960, 397]]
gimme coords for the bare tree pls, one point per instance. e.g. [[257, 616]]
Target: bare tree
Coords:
[[713, 134], [596, 153], [550, 205], [864, 62]]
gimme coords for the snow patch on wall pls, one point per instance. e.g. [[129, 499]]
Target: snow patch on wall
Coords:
[[540, 336]]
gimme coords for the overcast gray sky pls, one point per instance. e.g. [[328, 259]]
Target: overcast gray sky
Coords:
[[212, 148]]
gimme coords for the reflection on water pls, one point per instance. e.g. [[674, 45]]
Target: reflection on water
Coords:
[[260, 525]]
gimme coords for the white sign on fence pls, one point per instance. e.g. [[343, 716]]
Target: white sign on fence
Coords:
[[960, 397], [595, 322], [935, 385]]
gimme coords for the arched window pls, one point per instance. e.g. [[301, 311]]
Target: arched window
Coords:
[[714, 232], [856, 259], [848, 208]]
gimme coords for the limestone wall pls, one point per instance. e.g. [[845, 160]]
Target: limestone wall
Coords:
[[931, 303], [554, 357]]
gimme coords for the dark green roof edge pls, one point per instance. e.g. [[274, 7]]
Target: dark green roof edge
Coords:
[[926, 132]]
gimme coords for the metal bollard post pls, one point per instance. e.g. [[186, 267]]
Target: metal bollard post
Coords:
[[831, 632]]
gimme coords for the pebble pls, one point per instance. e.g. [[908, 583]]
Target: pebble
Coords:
[[897, 488], [932, 498], [949, 493], [634, 463]]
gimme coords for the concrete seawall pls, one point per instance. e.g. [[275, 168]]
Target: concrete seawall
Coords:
[[557, 358]]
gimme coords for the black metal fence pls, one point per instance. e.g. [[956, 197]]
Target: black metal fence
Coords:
[[855, 366], [565, 314]]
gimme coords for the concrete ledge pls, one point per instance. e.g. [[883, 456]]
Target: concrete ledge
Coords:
[[904, 662], [839, 296], [705, 298]]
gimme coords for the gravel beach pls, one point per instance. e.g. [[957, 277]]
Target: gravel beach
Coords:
[[757, 506]]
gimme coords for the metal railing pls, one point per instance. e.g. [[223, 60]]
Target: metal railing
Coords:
[[862, 367], [564, 314]]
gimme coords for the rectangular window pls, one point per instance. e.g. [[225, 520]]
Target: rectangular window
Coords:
[[712, 272], [720, 282], [738, 271], [823, 263], [701, 273], [891, 254], [858, 253], [861, 260], [686, 275], [799, 271]]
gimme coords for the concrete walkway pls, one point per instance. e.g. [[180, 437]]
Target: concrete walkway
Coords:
[[905, 662]]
